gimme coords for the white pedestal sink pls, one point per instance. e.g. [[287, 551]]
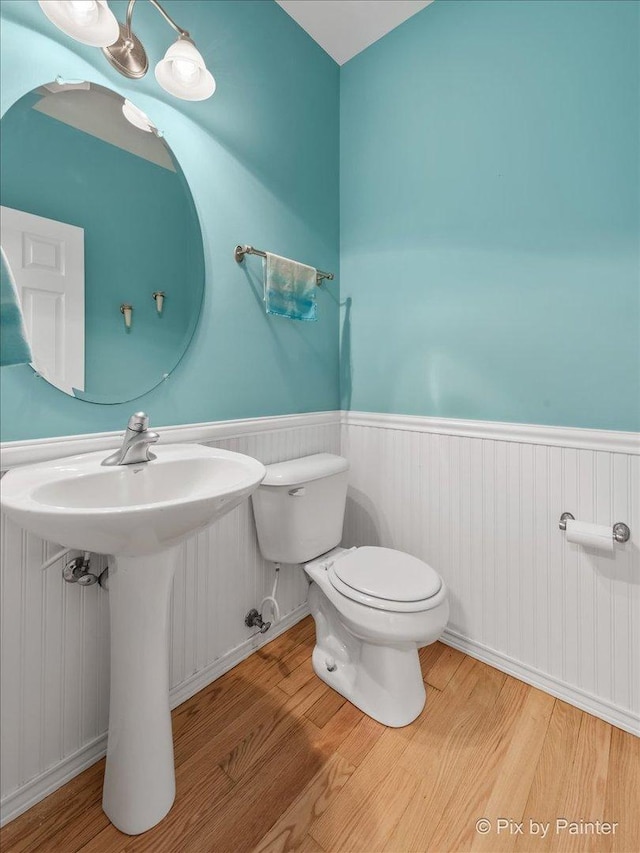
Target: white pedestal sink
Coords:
[[138, 513]]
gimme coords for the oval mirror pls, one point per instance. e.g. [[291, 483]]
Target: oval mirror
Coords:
[[103, 241]]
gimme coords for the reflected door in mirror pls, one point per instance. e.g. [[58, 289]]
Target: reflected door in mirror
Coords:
[[47, 262]]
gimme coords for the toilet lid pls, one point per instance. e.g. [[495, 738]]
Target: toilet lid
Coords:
[[387, 574]]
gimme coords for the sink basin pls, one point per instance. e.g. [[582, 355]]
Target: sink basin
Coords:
[[129, 509], [139, 514]]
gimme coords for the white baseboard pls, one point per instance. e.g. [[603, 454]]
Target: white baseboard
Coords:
[[199, 680], [619, 717], [32, 792], [35, 790], [22, 799]]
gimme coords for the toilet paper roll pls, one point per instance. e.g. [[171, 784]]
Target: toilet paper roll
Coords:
[[590, 535]]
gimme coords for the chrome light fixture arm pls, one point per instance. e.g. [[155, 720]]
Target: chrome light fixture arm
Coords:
[[168, 19], [127, 55], [165, 15]]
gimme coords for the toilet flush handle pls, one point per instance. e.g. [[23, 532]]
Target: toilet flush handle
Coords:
[[297, 493]]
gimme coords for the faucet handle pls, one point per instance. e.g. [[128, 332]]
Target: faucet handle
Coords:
[[138, 422]]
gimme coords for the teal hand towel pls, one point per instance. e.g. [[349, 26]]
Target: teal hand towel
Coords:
[[289, 288], [14, 346]]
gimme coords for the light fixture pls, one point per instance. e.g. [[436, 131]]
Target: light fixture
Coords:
[[182, 72], [135, 116], [89, 21]]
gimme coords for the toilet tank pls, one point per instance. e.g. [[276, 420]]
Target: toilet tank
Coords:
[[299, 507]]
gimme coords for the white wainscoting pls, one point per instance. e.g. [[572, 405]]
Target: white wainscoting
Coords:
[[55, 636], [481, 502]]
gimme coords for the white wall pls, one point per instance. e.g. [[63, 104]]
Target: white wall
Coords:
[[481, 503], [55, 636]]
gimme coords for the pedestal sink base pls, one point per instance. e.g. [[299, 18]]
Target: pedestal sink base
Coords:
[[139, 782], [145, 510]]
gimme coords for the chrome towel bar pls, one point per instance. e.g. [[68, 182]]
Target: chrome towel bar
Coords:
[[241, 251]]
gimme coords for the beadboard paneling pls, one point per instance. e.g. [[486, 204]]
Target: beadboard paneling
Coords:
[[481, 503], [484, 511], [55, 636]]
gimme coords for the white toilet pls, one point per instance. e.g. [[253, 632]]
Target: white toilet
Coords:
[[373, 607]]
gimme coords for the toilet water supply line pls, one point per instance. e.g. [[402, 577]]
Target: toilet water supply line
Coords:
[[271, 599], [254, 619]]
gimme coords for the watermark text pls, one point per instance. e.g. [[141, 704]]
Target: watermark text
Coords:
[[543, 828]]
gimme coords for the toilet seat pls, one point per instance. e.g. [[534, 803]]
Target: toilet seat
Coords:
[[385, 579]]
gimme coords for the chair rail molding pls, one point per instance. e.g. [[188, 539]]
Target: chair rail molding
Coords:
[[614, 441], [14, 453]]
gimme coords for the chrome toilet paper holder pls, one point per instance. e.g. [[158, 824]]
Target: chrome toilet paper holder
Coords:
[[620, 530]]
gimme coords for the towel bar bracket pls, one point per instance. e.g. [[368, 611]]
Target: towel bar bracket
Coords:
[[239, 253]]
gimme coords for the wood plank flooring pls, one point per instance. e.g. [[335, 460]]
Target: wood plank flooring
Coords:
[[269, 759]]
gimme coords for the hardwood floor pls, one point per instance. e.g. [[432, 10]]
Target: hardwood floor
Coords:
[[268, 758]]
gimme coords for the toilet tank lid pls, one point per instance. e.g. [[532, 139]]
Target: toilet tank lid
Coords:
[[295, 472]]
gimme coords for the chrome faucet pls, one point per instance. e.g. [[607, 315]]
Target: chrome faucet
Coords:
[[136, 444]]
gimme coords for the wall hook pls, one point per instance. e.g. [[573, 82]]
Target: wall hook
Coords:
[[159, 295], [127, 311]]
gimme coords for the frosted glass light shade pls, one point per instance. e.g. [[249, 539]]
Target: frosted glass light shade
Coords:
[[184, 74], [88, 21]]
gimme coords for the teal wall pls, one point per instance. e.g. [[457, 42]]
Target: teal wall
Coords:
[[141, 234], [261, 158], [489, 215], [488, 221]]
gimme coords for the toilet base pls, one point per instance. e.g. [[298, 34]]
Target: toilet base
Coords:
[[370, 655], [385, 682]]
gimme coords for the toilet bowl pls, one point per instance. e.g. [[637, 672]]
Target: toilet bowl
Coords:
[[366, 645], [373, 607]]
